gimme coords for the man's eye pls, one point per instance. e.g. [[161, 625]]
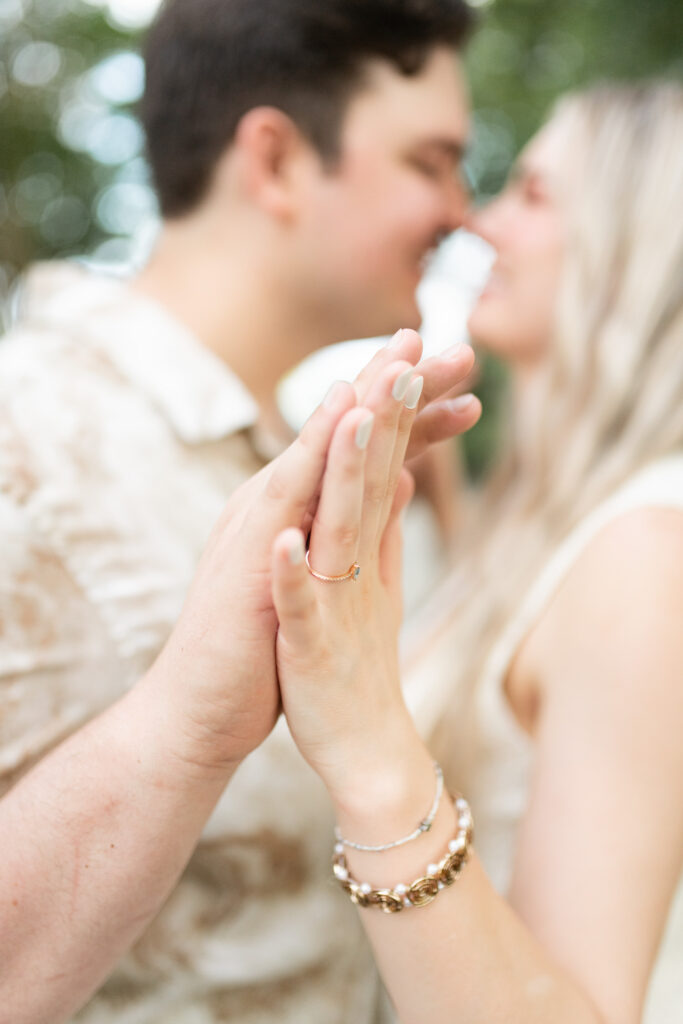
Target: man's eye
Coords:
[[432, 170]]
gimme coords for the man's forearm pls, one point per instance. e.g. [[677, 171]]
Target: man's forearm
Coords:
[[93, 840]]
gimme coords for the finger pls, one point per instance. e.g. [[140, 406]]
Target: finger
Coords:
[[443, 420], [292, 479], [405, 424], [405, 490], [405, 344], [446, 372], [385, 399], [336, 529], [439, 374], [294, 596], [392, 539]]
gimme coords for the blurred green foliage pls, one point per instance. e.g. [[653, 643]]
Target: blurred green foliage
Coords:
[[527, 52], [52, 175], [524, 55], [72, 175]]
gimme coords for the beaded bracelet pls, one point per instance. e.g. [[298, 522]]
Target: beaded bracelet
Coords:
[[424, 825], [424, 889]]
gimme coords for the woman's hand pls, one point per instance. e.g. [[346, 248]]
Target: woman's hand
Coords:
[[337, 642]]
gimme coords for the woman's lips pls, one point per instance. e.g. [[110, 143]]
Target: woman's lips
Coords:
[[494, 284], [426, 259]]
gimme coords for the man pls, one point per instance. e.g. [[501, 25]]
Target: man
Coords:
[[306, 158]]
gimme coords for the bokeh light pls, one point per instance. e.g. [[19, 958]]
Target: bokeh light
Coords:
[[36, 64], [119, 78], [128, 14]]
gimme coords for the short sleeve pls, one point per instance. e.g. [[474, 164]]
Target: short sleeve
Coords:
[[57, 664]]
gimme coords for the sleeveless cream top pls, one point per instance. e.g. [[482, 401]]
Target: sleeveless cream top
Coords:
[[500, 777]]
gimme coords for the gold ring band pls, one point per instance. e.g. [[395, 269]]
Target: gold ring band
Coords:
[[352, 573]]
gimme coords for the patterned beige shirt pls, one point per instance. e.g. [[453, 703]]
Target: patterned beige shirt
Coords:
[[121, 438]]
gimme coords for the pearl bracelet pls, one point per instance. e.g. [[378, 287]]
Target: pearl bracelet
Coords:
[[424, 889]]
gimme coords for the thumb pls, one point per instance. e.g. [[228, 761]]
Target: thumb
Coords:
[[293, 593]]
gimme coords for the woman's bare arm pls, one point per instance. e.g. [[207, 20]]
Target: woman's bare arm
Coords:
[[601, 846]]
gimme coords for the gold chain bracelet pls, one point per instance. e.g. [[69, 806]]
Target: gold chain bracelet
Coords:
[[424, 889]]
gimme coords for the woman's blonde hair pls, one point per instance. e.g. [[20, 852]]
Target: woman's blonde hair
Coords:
[[609, 398]]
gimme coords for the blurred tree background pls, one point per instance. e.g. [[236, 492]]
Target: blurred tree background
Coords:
[[73, 178]]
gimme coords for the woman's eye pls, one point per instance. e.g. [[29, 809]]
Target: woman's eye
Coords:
[[532, 193]]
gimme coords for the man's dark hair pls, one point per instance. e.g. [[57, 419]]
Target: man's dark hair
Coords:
[[210, 61]]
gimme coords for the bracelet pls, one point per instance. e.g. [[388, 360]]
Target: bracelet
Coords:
[[424, 825], [424, 889]]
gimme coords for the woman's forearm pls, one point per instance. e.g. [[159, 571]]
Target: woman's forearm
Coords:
[[467, 956]]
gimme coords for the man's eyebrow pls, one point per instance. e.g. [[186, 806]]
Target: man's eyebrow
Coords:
[[455, 148]]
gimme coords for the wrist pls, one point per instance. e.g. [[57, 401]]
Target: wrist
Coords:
[[191, 750], [388, 793]]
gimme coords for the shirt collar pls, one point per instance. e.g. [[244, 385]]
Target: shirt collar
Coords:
[[198, 394]]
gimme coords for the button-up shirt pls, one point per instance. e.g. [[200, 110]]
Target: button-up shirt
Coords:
[[121, 438]]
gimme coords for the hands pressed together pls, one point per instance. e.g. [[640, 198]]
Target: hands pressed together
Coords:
[[259, 632]]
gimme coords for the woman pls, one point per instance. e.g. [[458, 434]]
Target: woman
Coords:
[[557, 679]]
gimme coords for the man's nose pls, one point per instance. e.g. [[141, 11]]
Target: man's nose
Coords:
[[457, 204]]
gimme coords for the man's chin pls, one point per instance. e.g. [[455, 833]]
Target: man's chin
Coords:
[[384, 319], [405, 314]]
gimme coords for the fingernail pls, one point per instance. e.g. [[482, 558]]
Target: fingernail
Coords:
[[396, 340], [295, 549], [401, 384], [453, 350], [461, 402], [331, 396], [413, 393], [364, 432]]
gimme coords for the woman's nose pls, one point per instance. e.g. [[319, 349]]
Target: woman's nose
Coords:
[[481, 220]]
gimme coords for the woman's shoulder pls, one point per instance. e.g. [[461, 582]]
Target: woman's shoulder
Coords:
[[634, 508], [627, 555], [628, 535], [616, 613], [616, 582]]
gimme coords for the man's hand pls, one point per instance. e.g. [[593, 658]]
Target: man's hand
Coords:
[[215, 678]]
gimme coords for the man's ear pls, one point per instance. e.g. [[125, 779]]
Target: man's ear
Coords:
[[272, 158]]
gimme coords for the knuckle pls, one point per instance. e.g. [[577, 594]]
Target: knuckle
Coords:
[[279, 491], [345, 535]]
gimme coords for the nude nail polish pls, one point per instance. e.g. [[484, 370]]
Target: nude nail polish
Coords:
[[331, 396], [295, 550], [413, 393], [461, 402], [402, 383]]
